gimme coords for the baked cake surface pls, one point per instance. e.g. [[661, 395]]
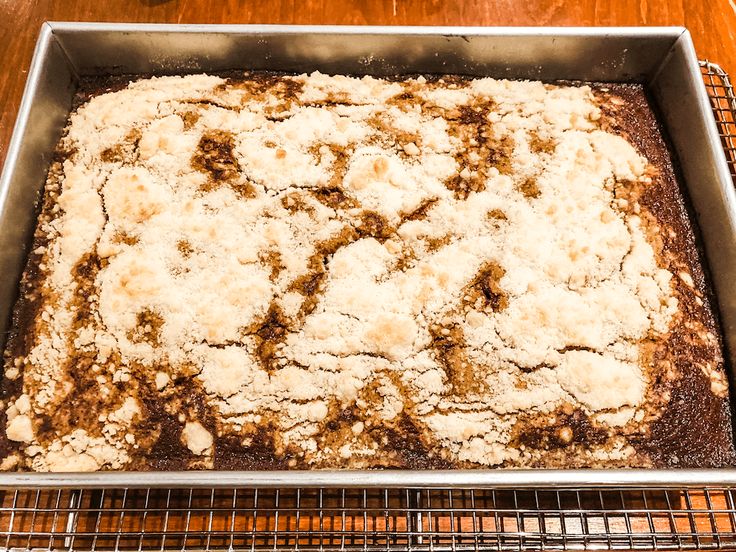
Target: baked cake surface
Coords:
[[315, 271]]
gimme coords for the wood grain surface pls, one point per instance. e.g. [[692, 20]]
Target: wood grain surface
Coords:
[[712, 22]]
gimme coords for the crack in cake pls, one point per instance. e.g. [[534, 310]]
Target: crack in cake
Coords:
[[281, 271]]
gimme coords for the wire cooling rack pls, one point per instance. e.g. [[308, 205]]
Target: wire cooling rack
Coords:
[[723, 103], [368, 519], [383, 519]]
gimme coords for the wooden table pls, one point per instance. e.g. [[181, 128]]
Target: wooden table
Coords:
[[712, 22]]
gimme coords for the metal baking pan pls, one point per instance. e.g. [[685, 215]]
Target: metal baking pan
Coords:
[[662, 58]]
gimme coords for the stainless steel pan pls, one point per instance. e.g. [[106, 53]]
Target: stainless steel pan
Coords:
[[662, 58]]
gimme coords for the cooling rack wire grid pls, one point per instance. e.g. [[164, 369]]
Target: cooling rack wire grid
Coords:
[[383, 519]]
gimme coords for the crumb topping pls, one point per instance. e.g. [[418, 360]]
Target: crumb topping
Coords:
[[337, 271]]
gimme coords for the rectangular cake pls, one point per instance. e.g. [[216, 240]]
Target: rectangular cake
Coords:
[[267, 271]]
